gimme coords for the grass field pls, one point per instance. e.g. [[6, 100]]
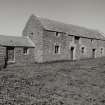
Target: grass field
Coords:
[[57, 83]]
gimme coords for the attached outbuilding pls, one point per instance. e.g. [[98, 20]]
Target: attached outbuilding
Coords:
[[46, 40], [15, 50]]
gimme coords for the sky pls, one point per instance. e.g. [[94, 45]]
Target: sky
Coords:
[[15, 13]]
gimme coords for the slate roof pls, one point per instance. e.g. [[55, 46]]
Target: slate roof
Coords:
[[15, 41], [70, 29]]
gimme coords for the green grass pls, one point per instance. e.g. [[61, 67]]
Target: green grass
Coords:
[[57, 83]]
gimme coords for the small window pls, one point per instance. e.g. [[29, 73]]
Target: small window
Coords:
[[32, 33], [58, 34], [57, 49], [82, 50], [92, 40], [101, 51], [76, 38], [25, 50]]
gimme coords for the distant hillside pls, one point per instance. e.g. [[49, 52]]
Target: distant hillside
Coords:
[[57, 83]]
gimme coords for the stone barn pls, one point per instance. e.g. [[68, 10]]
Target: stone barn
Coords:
[[15, 50], [47, 40], [58, 41]]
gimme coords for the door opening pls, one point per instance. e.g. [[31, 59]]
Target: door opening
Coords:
[[93, 53], [72, 53], [10, 52]]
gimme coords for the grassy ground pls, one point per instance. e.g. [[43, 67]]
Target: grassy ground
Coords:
[[57, 83]]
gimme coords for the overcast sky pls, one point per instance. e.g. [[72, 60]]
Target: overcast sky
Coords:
[[15, 13]]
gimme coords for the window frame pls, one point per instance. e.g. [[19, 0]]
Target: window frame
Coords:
[[102, 51], [82, 50], [92, 40], [58, 34], [77, 39], [25, 50], [58, 49]]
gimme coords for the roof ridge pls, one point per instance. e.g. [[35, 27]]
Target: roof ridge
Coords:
[[66, 23], [54, 25]]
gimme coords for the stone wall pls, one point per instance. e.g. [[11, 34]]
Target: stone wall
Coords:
[[45, 41], [93, 44], [66, 42], [2, 56], [49, 41], [34, 31], [22, 58]]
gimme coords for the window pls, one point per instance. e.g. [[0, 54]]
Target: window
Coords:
[[32, 33], [58, 34], [76, 38], [82, 50], [101, 51], [25, 50], [92, 40], [57, 49]]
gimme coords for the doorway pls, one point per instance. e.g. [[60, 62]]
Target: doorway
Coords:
[[72, 53], [10, 54], [93, 53]]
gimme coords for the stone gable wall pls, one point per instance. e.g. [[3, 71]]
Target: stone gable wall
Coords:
[[34, 31]]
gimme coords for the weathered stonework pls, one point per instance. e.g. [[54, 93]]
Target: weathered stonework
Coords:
[[49, 40], [70, 47], [34, 30], [66, 42], [2, 56], [21, 58]]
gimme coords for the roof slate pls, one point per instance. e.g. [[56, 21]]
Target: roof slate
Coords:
[[70, 29], [15, 41]]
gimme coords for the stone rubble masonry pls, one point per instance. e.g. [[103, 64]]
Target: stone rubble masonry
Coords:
[[45, 41]]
